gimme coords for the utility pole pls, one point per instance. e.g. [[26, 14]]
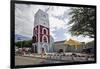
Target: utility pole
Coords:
[[21, 44]]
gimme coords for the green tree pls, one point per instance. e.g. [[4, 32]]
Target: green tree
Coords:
[[82, 21], [18, 44], [27, 43]]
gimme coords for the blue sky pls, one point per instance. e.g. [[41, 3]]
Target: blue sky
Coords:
[[58, 19]]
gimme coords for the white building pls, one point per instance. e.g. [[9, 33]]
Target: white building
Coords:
[[51, 48]]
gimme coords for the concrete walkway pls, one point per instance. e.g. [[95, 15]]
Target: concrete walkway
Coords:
[[60, 57]]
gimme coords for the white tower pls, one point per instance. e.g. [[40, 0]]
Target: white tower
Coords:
[[41, 34]]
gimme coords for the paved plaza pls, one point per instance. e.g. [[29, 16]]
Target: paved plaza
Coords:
[[30, 59], [20, 60]]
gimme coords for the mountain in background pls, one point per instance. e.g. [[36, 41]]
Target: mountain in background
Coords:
[[21, 37]]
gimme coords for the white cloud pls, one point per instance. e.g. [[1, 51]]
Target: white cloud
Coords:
[[67, 36], [84, 39], [79, 38], [57, 11], [23, 19], [56, 23]]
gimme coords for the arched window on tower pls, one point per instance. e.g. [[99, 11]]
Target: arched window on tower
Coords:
[[45, 39], [35, 31], [34, 39], [44, 31]]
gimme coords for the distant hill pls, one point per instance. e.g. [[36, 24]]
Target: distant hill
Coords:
[[21, 37]]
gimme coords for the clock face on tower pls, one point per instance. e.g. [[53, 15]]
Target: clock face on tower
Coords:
[[43, 17], [44, 21]]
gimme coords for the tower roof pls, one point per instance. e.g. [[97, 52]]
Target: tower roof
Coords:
[[41, 12]]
